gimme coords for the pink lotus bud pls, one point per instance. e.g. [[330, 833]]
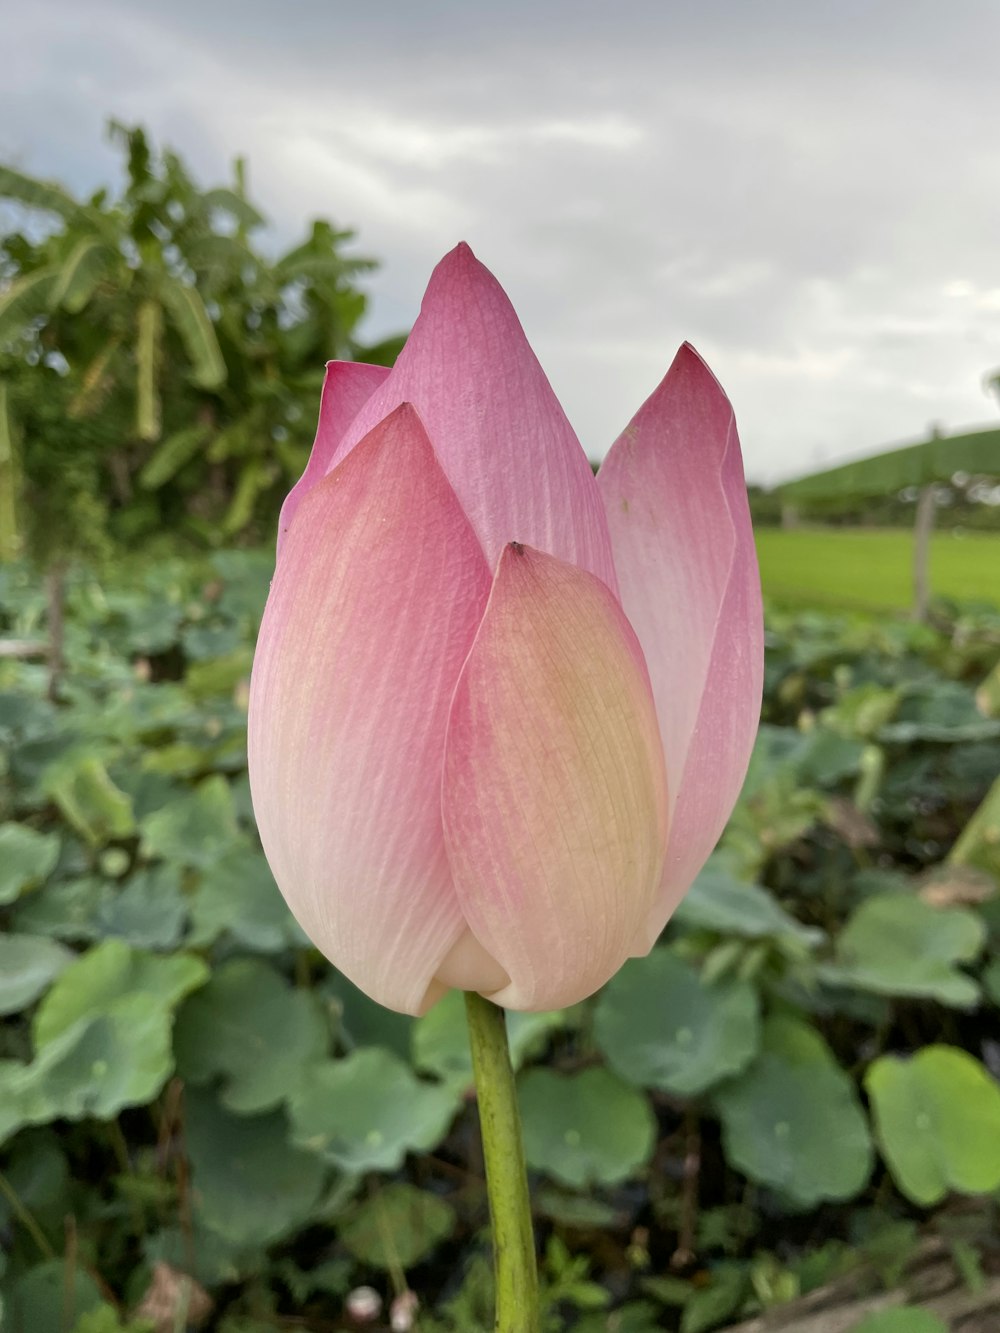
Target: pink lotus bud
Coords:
[[500, 710]]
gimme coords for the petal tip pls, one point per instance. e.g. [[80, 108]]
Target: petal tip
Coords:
[[461, 271], [690, 362], [460, 260]]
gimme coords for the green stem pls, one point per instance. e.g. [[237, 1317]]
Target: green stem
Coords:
[[25, 1218], [506, 1174]]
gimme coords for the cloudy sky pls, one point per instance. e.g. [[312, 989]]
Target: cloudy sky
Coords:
[[809, 193]]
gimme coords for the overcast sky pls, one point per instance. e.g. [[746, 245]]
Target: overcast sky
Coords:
[[809, 193]]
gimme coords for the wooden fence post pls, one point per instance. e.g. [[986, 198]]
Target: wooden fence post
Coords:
[[922, 529]]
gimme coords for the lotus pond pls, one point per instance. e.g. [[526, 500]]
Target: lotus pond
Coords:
[[202, 1125]]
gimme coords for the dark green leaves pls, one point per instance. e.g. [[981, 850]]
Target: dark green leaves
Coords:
[[96, 1066], [366, 1112], [251, 1185], [102, 1037], [793, 1121], [897, 944], [194, 830], [28, 963], [397, 1226], [110, 973], [719, 901], [585, 1129], [252, 1031], [26, 859], [661, 1026]]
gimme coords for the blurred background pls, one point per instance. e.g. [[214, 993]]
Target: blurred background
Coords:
[[790, 1110]]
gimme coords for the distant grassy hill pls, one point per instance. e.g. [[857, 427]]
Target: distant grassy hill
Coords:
[[870, 570]]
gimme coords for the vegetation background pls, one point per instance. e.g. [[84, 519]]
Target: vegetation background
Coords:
[[789, 1111]]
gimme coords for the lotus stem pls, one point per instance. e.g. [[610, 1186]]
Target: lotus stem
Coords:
[[506, 1174]]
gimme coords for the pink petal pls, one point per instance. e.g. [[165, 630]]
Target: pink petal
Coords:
[[374, 605], [677, 509], [346, 389], [554, 793], [496, 426]]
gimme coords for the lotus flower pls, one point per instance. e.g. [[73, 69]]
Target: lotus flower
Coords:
[[501, 710]]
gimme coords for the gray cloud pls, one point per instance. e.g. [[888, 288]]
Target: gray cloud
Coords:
[[810, 195]]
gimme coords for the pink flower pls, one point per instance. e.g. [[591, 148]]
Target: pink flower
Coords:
[[500, 710]]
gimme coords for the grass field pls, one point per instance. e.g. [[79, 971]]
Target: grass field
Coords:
[[861, 570]]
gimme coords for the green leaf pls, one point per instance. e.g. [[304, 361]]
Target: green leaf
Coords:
[[33, 193], [575, 1210], [81, 786], [897, 944], [937, 1121], [95, 1067], [66, 909], [251, 1029], [979, 842], [827, 759], [441, 1038], [104, 1319], [11, 538], [636, 1317], [235, 205], [863, 711], [28, 963], [250, 1185], [254, 477], [222, 675], [111, 971], [398, 1226], [359, 1021], [49, 1295], [236, 439], [709, 1306], [793, 1121], [585, 1129], [148, 912], [191, 320], [94, 381], [661, 1026], [101, 1065], [718, 901], [171, 455], [27, 858], [208, 1257], [25, 300], [148, 354], [903, 1319], [196, 829], [205, 643], [367, 1111], [237, 897], [81, 273]]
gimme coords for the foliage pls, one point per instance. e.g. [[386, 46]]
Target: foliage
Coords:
[[196, 1112], [159, 371]]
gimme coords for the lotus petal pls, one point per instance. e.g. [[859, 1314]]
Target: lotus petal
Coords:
[[375, 602], [554, 790], [347, 387], [676, 501], [498, 430]]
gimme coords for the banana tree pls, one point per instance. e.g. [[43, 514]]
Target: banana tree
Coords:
[[158, 371]]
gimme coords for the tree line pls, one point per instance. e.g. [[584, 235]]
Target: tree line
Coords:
[[159, 371]]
